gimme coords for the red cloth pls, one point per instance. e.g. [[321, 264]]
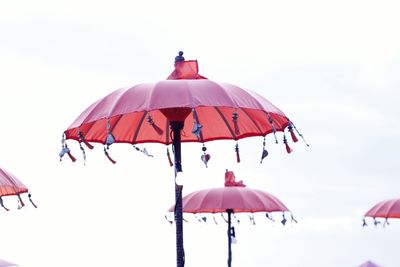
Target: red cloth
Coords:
[[188, 69], [230, 180]]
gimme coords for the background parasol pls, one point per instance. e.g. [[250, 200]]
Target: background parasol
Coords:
[[386, 209], [4, 263], [235, 197], [368, 264]]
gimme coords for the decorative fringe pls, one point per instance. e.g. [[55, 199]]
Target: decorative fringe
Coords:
[[237, 153], [264, 152], [271, 123], [155, 127], [288, 149], [196, 125], [235, 117], [294, 137], [108, 156], [284, 219], [169, 158], [2, 204], [30, 199]]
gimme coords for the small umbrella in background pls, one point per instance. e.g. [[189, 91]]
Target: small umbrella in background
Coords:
[[4, 263], [187, 107], [11, 186], [235, 197], [385, 209], [368, 264]]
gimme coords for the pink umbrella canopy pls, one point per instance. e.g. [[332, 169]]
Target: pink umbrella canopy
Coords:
[[4, 263], [10, 185], [368, 264], [385, 209]]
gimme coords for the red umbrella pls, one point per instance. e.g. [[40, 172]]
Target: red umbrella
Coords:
[[4, 263], [385, 209], [235, 197], [168, 111], [10, 185]]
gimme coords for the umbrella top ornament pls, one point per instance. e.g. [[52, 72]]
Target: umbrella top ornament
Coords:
[[11, 186], [205, 110], [385, 209]]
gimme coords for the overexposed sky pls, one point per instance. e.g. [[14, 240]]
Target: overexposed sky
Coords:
[[331, 66]]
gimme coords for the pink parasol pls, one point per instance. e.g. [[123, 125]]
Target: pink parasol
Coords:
[[368, 264], [4, 263], [10, 185], [385, 209], [235, 197], [185, 108]]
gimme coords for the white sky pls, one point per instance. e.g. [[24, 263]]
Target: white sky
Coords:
[[331, 66]]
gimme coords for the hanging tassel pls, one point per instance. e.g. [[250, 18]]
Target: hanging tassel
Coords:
[[84, 153], [155, 127], [169, 158], [288, 149], [20, 200], [235, 117], [264, 152], [237, 153], [269, 217], [292, 218], [108, 156], [2, 204], [66, 150], [271, 123], [82, 139], [284, 219], [30, 199], [302, 137], [364, 223], [205, 157]]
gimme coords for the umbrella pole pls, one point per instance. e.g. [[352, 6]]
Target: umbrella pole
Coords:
[[176, 127], [229, 211]]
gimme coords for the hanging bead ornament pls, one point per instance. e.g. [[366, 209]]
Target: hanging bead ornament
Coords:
[[144, 151], [30, 199], [204, 218], [169, 158], [288, 149], [65, 150], [302, 137], [235, 117], [155, 127], [364, 223], [284, 219], [237, 153], [271, 123], [205, 157], [109, 141], [196, 125], [264, 152], [269, 217], [2, 204]]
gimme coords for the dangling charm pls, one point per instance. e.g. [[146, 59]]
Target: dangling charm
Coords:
[[237, 153], [284, 219], [292, 218], [30, 199], [65, 150], [364, 223], [155, 127], [235, 117], [84, 153], [290, 128], [144, 151], [264, 152], [269, 217], [169, 158], [205, 157], [288, 149], [196, 125], [271, 123]]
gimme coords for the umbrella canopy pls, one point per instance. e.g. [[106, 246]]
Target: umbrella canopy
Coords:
[[368, 264], [4, 263], [11, 185], [385, 209], [186, 108]]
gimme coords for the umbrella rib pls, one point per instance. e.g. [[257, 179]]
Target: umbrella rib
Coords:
[[252, 120], [138, 128], [226, 122]]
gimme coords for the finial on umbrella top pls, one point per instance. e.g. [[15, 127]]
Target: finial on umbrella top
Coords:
[[230, 179], [179, 57]]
